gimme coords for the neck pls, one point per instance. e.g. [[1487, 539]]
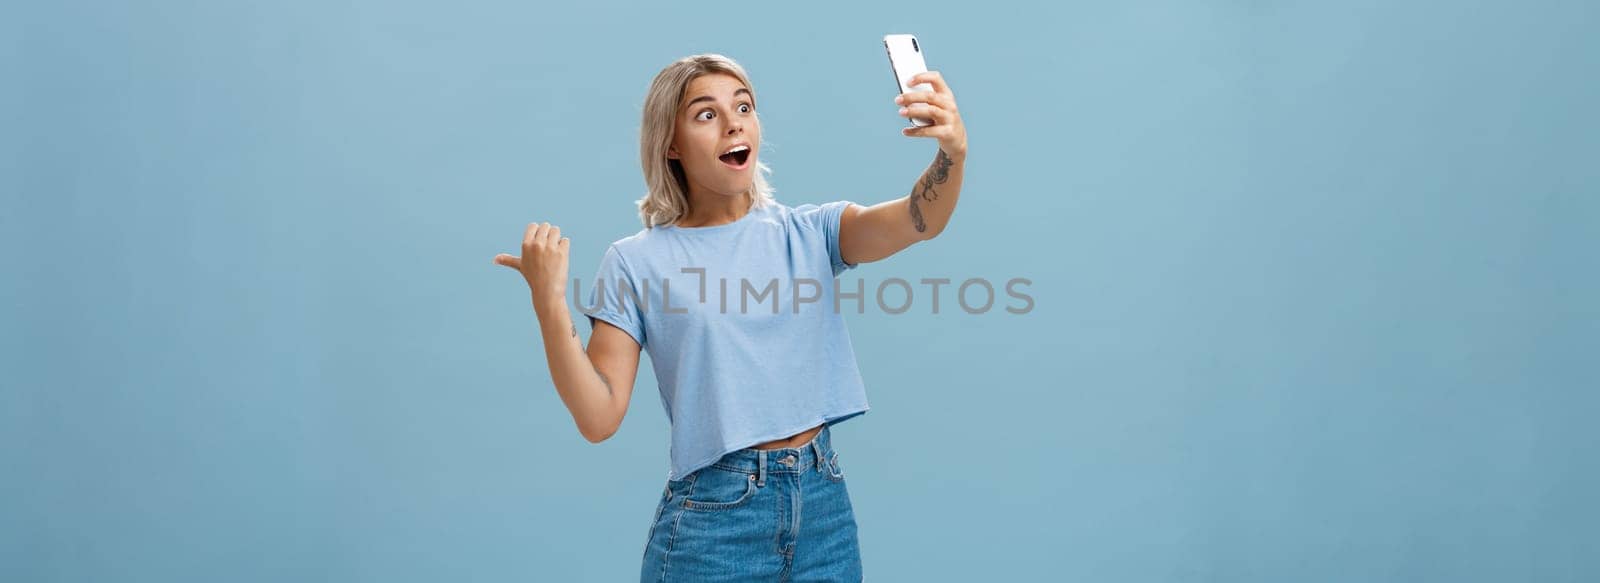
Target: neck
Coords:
[[709, 210]]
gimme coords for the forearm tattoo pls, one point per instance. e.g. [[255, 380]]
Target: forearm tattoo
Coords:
[[916, 214], [938, 173]]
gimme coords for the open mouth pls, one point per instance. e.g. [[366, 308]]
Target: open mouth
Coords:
[[736, 157]]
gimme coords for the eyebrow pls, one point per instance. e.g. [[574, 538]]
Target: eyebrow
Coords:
[[701, 98]]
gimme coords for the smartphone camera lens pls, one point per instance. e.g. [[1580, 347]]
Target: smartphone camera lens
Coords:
[[914, 46]]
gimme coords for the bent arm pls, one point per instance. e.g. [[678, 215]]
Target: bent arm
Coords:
[[872, 233], [596, 384]]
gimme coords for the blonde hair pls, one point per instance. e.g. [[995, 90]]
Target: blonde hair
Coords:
[[667, 198]]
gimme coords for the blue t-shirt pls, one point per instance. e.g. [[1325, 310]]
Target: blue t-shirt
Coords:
[[741, 326]]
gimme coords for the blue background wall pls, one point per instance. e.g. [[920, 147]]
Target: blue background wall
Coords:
[[1315, 287]]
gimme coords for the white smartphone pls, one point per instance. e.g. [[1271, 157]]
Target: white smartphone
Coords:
[[905, 59]]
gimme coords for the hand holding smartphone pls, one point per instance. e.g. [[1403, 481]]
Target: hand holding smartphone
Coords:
[[905, 59]]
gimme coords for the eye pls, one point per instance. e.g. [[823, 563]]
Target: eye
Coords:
[[705, 115], [745, 108]]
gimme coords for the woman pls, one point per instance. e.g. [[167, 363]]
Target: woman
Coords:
[[755, 490]]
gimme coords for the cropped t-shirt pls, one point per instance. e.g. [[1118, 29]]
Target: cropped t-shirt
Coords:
[[741, 326]]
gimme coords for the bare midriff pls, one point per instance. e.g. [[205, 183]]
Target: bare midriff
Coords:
[[796, 440]]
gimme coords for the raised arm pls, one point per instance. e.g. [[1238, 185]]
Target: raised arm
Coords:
[[875, 232], [596, 384]]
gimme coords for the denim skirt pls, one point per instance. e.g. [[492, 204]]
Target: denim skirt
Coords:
[[757, 515]]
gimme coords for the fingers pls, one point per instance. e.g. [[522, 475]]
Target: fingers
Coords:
[[932, 78], [508, 260], [533, 235], [938, 106], [933, 131], [929, 97], [541, 234], [939, 115]]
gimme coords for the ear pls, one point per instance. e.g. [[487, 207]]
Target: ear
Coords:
[[672, 153]]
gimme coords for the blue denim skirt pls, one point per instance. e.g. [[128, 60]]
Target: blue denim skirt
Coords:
[[757, 515]]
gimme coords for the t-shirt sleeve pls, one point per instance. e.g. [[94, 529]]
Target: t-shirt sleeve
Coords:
[[825, 218], [614, 297]]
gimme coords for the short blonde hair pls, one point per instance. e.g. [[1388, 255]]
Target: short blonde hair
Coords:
[[667, 197]]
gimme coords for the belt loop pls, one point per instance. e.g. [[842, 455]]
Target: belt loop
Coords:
[[761, 468], [816, 452]]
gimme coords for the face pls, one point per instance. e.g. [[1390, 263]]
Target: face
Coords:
[[717, 135]]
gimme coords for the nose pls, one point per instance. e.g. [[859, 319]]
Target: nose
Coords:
[[735, 126]]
